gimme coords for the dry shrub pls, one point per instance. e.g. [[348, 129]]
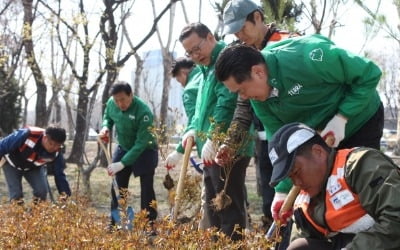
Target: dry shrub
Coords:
[[190, 200], [237, 139], [70, 225]]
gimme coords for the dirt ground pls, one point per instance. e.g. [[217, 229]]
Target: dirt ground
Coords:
[[101, 183]]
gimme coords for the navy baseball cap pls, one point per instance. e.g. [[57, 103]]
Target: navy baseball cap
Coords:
[[282, 148], [235, 14]]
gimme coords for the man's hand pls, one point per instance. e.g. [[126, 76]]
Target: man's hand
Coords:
[[63, 197], [114, 168], [336, 126], [280, 216], [224, 155], [104, 135], [188, 134], [173, 159], [208, 153]]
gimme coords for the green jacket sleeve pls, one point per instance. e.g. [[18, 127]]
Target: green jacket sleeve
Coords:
[[224, 109], [376, 179], [284, 186], [143, 139], [190, 125], [107, 121], [189, 101]]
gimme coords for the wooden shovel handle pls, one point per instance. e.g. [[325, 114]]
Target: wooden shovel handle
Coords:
[[109, 161], [181, 181], [106, 152]]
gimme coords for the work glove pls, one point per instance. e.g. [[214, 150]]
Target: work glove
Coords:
[[208, 153], [173, 159], [281, 217], [114, 168], [336, 126], [224, 155], [188, 134], [104, 135]]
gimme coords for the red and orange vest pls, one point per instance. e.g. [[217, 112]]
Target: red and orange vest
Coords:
[[344, 212], [27, 156]]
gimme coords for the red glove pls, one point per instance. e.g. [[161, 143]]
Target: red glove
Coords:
[[208, 153], [188, 134], [224, 155], [281, 217], [104, 135], [173, 159], [337, 128]]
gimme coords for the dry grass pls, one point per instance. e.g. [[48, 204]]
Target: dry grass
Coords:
[[80, 224]]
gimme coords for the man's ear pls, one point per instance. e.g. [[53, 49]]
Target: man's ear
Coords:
[[319, 152], [257, 17], [258, 71]]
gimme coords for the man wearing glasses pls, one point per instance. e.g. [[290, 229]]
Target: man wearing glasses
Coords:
[[26, 151], [215, 102]]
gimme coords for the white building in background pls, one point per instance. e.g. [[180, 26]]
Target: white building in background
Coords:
[[150, 89]]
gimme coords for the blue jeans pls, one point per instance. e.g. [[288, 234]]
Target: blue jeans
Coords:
[[34, 177]]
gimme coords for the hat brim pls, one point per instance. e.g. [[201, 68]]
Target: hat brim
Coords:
[[234, 27], [282, 169]]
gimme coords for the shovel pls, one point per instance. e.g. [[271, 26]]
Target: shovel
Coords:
[[122, 217], [179, 188]]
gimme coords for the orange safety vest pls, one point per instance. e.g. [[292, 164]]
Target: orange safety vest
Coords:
[[26, 157], [280, 35], [344, 212]]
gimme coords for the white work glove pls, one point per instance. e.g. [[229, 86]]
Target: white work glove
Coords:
[[104, 135], [224, 155], [188, 134], [114, 168], [276, 207], [173, 159], [336, 126], [208, 153]]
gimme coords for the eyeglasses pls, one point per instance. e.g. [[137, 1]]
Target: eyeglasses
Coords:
[[195, 50]]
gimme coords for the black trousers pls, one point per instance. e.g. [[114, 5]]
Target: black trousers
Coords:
[[337, 242], [234, 214], [147, 194], [369, 135], [265, 169]]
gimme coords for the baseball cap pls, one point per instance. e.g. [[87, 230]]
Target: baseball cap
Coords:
[[282, 148], [235, 14]]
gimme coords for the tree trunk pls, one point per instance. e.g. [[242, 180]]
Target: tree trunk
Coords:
[[41, 118], [78, 145], [70, 121], [138, 74], [167, 61], [87, 191]]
